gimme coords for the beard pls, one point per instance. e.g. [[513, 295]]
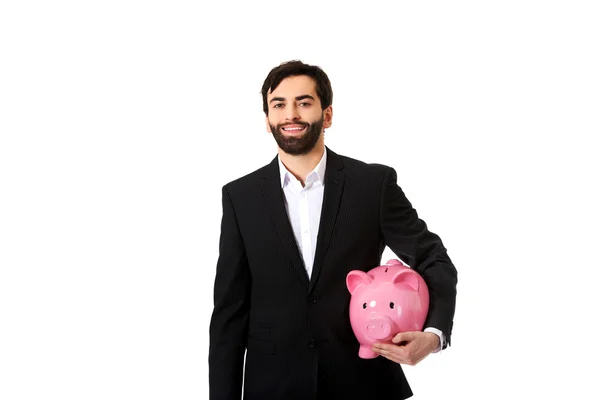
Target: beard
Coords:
[[298, 145]]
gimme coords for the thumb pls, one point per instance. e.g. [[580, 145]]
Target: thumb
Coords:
[[402, 337]]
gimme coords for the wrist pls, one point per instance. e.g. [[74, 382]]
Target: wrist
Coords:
[[440, 336], [433, 340]]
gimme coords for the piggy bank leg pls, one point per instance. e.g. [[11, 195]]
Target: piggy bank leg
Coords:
[[366, 352]]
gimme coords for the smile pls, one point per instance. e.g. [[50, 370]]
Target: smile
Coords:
[[293, 128]]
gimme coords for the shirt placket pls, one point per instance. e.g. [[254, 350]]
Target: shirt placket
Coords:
[[305, 229]]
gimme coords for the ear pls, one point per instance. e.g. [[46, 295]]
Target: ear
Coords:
[[327, 117], [267, 124], [356, 278], [407, 277], [396, 261]]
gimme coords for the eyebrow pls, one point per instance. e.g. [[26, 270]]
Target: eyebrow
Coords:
[[298, 98]]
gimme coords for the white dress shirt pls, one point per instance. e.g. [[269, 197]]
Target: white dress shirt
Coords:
[[303, 206]]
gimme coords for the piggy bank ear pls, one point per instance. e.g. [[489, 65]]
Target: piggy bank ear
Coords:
[[407, 277], [395, 261], [356, 278]]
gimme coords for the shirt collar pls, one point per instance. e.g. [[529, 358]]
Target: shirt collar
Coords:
[[317, 174]]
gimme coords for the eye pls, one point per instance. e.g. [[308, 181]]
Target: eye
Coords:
[[304, 104], [364, 305], [279, 105], [391, 304]]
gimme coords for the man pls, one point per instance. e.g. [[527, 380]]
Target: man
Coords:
[[290, 233]]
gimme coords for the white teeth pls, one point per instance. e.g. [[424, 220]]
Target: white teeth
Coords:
[[293, 129]]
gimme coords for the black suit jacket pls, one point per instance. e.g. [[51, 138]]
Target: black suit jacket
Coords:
[[296, 331]]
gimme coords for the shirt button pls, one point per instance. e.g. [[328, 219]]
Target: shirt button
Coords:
[[312, 344]]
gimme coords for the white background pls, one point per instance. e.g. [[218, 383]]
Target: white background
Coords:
[[121, 120]]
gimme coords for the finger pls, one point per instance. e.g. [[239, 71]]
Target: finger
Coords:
[[389, 354], [403, 337], [385, 346], [389, 350], [380, 346], [400, 354], [395, 357], [398, 338]]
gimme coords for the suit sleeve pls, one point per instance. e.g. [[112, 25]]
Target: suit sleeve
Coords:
[[229, 321], [408, 237]]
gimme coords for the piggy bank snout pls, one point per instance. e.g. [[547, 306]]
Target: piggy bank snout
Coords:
[[379, 327]]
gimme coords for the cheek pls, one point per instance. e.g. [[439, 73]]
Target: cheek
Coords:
[[270, 122], [397, 312]]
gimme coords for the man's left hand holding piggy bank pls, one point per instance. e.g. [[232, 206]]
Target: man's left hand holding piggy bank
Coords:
[[410, 347]]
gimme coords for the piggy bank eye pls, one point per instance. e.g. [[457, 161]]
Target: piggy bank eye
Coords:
[[391, 304], [364, 305]]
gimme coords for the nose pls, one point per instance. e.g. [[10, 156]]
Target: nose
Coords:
[[379, 327], [292, 113]]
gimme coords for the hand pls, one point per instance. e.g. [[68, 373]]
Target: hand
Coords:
[[410, 347]]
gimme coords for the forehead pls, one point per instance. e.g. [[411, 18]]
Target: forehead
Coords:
[[293, 86]]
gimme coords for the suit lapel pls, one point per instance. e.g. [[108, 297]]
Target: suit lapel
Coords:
[[274, 199], [334, 184]]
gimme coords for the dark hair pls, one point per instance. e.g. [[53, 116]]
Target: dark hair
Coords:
[[297, 68]]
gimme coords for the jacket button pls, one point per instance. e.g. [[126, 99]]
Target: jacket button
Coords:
[[312, 343], [314, 301]]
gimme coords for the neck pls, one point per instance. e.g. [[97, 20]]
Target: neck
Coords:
[[302, 165]]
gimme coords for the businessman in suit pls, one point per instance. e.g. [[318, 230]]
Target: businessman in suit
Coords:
[[290, 233]]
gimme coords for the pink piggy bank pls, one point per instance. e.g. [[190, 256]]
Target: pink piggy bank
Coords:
[[386, 300]]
